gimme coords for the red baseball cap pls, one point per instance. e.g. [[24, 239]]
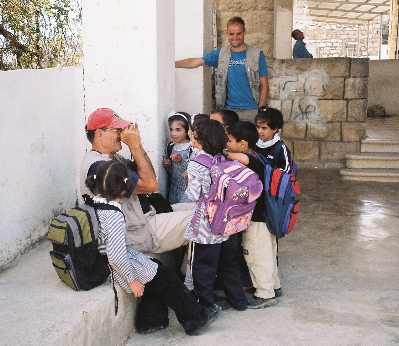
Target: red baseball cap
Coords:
[[105, 117]]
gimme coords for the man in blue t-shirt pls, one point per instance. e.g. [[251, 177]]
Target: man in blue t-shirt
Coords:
[[300, 50], [241, 75]]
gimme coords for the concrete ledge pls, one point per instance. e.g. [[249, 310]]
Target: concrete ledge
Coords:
[[38, 309], [380, 146], [381, 175], [373, 160]]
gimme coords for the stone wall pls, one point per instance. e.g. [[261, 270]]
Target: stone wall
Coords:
[[327, 40], [324, 103], [258, 17]]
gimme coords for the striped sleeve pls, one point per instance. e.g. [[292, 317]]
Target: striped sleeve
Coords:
[[198, 179], [284, 159]]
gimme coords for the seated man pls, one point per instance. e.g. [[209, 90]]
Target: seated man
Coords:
[[146, 231]]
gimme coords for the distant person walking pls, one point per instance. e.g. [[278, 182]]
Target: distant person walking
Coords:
[[241, 72], [300, 50]]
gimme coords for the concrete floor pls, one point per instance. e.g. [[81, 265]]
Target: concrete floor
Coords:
[[339, 271]]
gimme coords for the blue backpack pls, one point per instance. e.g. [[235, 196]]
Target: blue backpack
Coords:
[[281, 189]]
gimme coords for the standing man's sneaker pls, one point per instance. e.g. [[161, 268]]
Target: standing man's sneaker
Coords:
[[255, 302], [208, 315]]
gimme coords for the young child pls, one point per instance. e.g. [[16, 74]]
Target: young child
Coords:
[[260, 246], [225, 116], [177, 154], [212, 254], [268, 122], [186, 264], [158, 286]]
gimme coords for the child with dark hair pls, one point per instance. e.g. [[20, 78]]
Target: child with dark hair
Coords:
[[195, 119], [268, 122], [186, 265], [212, 254], [177, 155], [225, 116], [260, 246], [158, 286]]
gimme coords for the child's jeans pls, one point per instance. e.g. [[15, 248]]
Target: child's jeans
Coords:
[[222, 260]]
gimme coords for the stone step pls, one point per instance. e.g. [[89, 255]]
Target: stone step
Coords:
[[373, 160], [378, 175], [380, 146]]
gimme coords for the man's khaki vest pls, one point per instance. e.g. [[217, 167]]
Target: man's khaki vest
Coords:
[[251, 67]]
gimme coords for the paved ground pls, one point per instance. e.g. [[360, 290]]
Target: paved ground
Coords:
[[339, 270]]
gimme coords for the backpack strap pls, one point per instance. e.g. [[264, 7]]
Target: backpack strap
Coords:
[[169, 148], [206, 161], [105, 206], [203, 159], [260, 157]]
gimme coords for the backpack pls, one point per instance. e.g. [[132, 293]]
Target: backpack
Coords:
[[281, 189], [75, 254], [232, 195]]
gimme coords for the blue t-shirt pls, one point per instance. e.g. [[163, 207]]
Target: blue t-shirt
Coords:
[[238, 91]]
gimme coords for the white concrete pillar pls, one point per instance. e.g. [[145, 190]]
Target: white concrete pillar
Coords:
[[129, 65], [283, 17], [193, 40]]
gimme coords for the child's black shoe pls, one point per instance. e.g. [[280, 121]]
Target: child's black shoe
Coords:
[[208, 315]]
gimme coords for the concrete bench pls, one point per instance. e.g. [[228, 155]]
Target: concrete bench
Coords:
[[38, 309]]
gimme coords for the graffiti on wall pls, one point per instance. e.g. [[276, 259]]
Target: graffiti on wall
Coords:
[[299, 92]]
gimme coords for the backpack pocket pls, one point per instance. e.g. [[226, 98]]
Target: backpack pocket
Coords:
[[63, 265], [238, 218], [290, 217], [57, 232]]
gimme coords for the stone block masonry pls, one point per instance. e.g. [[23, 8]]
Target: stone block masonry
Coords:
[[324, 103]]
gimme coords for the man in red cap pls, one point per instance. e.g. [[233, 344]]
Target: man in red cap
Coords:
[[146, 231]]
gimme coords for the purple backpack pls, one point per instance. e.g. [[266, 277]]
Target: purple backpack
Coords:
[[232, 195]]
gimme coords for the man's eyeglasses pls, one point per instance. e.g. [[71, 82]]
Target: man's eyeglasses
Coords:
[[109, 129]]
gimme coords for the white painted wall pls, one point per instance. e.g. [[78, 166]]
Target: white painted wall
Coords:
[[283, 16], [383, 85], [41, 115], [193, 40], [129, 65]]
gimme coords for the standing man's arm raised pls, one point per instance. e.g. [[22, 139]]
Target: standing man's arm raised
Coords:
[[190, 63], [264, 91]]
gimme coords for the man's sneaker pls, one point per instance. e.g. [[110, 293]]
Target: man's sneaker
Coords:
[[255, 302], [278, 292], [208, 315], [222, 302]]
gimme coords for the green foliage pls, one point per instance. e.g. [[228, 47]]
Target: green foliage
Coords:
[[40, 33]]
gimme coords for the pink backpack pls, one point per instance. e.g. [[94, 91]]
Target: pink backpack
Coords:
[[232, 196]]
